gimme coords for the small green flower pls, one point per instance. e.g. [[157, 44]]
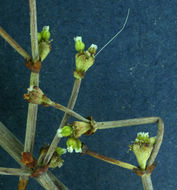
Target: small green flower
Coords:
[[74, 144], [65, 131], [60, 151], [142, 148], [79, 44], [45, 33], [92, 49]]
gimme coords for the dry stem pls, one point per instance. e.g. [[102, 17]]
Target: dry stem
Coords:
[[147, 183], [34, 80], [14, 171], [111, 160], [14, 44], [64, 121]]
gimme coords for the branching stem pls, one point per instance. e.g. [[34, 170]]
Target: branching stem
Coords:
[[14, 44]]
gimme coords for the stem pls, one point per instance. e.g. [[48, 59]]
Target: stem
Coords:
[[147, 183], [14, 171], [69, 111], [64, 121], [14, 44], [126, 123], [34, 80], [33, 30], [111, 160], [14, 147], [158, 142]]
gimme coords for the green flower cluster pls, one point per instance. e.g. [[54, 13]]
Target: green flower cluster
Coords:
[[84, 59], [44, 43]]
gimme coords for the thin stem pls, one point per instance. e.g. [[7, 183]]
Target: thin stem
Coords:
[[111, 160], [69, 111], [14, 147], [115, 36], [126, 123], [158, 142], [139, 121], [33, 29], [14, 171], [14, 44], [147, 183], [34, 80], [64, 121]]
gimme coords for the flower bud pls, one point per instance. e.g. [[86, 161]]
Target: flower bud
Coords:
[[92, 49], [83, 62], [73, 144], [65, 131], [56, 161], [142, 148], [44, 49], [45, 34], [80, 128], [60, 151], [79, 45]]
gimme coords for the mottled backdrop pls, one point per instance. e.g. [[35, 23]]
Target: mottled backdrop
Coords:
[[135, 76]]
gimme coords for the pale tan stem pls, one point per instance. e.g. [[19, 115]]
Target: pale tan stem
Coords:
[[34, 80], [147, 183], [111, 160], [14, 44], [14, 171], [14, 147], [69, 111], [33, 30], [64, 121]]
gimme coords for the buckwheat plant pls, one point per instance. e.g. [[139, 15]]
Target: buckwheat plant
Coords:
[[144, 147]]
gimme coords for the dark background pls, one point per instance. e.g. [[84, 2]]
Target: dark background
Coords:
[[135, 76]]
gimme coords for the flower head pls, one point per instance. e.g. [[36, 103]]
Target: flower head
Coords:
[[142, 148]]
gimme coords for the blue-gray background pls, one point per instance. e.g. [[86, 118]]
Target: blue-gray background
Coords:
[[135, 76]]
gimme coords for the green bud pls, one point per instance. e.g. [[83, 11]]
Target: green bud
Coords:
[[79, 45], [92, 49], [142, 148], [56, 161], [39, 36], [73, 144], [65, 131], [45, 34], [60, 151], [44, 49]]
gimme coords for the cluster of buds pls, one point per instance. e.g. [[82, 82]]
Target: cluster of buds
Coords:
[[84, 59], [74, 144], [142, 148], [44, 43], [56, 160], [36, 96], [73, 133]]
